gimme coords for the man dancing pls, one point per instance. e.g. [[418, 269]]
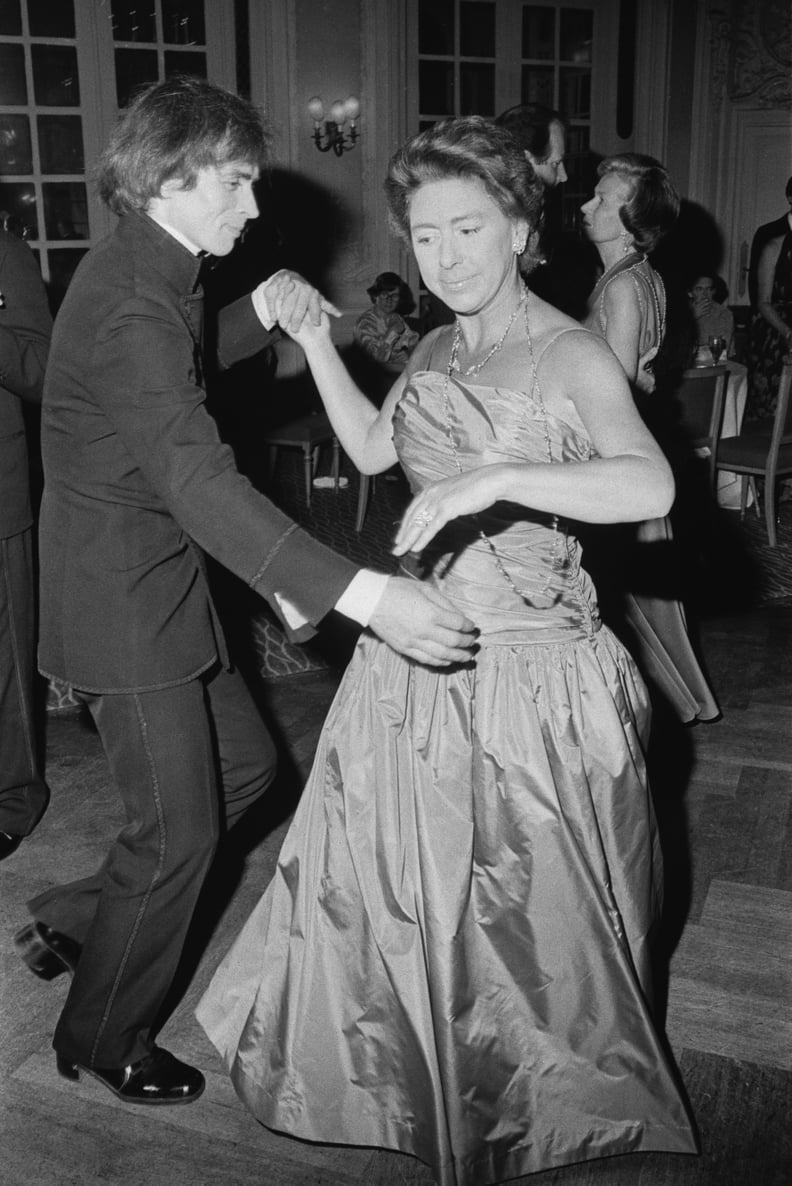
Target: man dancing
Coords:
[[138, 486]]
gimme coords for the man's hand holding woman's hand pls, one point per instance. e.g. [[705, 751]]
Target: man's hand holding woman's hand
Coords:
[[288, 299]]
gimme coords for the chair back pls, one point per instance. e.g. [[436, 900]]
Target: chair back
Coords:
[[763, 449], [782, 419], [699, 399]]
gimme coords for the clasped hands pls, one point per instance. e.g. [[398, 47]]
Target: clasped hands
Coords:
[[288, 300]]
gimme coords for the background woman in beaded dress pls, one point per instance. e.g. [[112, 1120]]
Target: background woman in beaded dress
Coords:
[[633, 207], [770, 338], [454, 956]]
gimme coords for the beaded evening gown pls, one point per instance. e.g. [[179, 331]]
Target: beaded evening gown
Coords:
[[766, 347], [636, 566], [452, 959]]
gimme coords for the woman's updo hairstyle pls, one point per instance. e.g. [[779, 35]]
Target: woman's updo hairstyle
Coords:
[[471, 148], [653, 206]]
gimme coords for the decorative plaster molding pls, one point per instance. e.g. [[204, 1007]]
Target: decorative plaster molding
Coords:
[[720, 46], [761, 57]]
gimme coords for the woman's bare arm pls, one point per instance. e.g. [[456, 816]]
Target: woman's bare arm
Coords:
[[623, 323]]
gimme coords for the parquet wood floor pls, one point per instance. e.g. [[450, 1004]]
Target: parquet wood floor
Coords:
[[724, 798]]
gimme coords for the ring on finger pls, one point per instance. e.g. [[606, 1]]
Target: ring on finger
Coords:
[[423, 518]]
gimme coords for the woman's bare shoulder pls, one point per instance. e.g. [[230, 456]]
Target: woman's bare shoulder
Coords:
[[572, 350], [547, 323]]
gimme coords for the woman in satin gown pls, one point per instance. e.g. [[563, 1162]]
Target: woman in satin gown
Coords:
[[633, 207], [454, 956]]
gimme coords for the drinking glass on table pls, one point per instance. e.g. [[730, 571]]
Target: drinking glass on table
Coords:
[[717, 345]]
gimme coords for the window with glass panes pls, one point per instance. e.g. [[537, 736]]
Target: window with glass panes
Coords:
[[66, 66], [155, 40], [556, 45], [43, 195], [479, 57]]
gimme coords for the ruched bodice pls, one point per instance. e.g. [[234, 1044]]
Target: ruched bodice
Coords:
[[556, 598]]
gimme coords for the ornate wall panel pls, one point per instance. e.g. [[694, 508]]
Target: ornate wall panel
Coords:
[[760, 65]]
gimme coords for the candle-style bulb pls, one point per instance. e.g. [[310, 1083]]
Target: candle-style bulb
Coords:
[[352, 107], [337, 112], [316, 109]]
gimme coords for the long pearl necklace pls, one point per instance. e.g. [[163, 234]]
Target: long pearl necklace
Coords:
[[650, 283], [652, 280], [558, 538], [477, 366]]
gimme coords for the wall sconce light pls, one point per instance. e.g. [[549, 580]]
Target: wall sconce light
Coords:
[[330, 133]]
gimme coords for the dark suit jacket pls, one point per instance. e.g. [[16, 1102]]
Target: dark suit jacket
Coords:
[[25, 326], [766, 232], [138, 482]]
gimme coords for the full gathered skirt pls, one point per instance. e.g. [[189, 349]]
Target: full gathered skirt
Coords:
[[462, 972]]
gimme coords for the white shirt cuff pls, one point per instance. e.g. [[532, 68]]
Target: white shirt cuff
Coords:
[[358, 601], [362, 596], [262, 308]]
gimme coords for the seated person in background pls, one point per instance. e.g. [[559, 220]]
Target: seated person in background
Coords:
[[382, 331], [711, 316]]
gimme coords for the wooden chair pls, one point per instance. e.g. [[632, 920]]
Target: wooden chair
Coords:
[[308, 433], [699, 400], [763, 449]]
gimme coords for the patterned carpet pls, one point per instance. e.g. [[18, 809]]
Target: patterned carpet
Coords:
[[728, 561], [773, 564]]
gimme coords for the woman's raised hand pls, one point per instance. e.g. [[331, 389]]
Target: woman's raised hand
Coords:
[[429, 511]]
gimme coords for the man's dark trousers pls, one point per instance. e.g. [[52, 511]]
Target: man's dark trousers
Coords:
[[167, 751]]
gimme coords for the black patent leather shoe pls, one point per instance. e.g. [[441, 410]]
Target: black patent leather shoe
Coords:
[[8, 844], [47, 952], [159, 1078]]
